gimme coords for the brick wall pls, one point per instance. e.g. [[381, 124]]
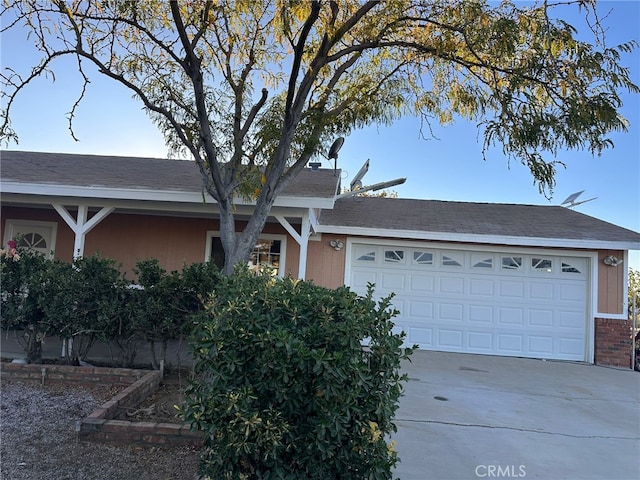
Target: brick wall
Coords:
[[613, 342], [69, 375], [100, 425], [139, 433]]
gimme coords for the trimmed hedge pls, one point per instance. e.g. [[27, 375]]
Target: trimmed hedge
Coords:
[[90, 300]]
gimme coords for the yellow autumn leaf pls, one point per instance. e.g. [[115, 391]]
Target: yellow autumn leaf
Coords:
[[563, 88]]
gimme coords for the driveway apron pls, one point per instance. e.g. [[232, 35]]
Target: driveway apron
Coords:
[[471, 416]]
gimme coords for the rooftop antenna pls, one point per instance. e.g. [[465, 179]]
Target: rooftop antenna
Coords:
[[376, 186], [571, 202], [333, 152], [356, 183]]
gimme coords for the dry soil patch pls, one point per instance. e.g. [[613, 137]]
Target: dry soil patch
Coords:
[[39, 440]]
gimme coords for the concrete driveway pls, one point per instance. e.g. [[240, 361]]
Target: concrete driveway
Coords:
[[471, 416]]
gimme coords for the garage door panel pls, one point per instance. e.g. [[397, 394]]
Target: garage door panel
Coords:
[[571, 319], [422, 283], [360, 279], [572, 292], [421, 336], [481, 314], [512, 288], [569, 348], [537, 307], [482, 287], [392, 282], [452, 285], [451, 312], [540, 345], [420, 310], [450, 339], [540, 318], [509, 343], [510, 317], [541, 291], [480, 342]]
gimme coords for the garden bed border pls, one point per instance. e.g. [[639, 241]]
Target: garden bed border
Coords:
[[100, 425]]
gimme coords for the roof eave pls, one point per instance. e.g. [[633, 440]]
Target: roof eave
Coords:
[[590, 244], [100, 192]]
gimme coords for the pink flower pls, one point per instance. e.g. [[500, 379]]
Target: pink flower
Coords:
[[12, 244]]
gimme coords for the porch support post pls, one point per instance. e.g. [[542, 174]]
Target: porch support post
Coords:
[[306, 230], [301, 238], [80, 225]]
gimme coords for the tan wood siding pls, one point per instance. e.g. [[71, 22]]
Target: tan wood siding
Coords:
[[325, 266], [131, 238], [610, 284], [128, 238]]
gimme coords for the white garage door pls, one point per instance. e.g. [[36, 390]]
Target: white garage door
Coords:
[[495, 303]]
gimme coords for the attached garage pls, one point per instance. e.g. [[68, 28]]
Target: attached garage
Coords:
[[498, 302], [540, 281]]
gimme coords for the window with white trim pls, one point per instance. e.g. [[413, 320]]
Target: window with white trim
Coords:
[[481, 260], [36, 235], [452, 260], [367, 256], [569, 268], [422, 258], [512, 263], [269, 252], [266, 253], [32, 240], [394, 256], [541, 264]]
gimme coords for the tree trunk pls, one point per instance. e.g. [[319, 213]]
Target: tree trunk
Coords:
[[238, 246], [33, 346], [154, 361]]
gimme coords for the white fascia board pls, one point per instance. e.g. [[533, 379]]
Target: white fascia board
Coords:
[[479, 238], [100, 192], [612, 316], [141, 206], [304, 202]]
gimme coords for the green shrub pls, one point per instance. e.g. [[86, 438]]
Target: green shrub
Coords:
[[199, 280], [163, 307], [82, 301], [125, 331], [284, 388], [633, 291], [21, 277]]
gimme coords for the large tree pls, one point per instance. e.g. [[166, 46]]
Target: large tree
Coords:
[[251, 89]]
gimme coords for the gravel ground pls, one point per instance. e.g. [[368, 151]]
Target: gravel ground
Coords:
[[38, 440]]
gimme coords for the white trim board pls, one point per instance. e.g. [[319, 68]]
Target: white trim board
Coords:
[[101, 192], [480, 238]]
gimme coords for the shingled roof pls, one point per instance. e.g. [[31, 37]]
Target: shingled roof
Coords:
[[81, 170], [466, 221], [32, 173]]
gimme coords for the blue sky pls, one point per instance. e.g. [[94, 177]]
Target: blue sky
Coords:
[[448, 167]]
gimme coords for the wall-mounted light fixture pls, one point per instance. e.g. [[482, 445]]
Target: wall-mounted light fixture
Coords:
[[337, 244], [611, 261]]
